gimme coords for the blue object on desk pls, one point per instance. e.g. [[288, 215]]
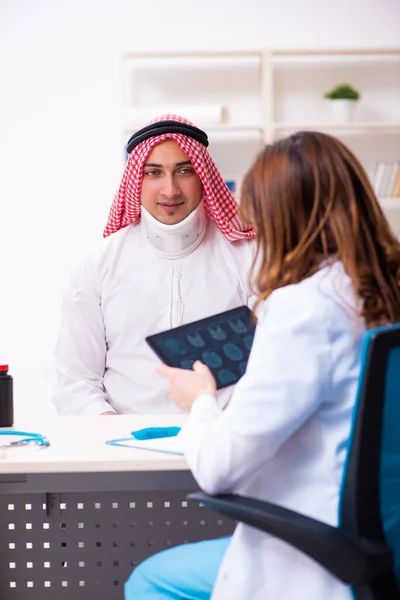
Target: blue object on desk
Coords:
[[28, 437], [152, 433], [145, 435]]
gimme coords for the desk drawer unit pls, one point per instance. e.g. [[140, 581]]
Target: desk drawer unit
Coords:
[[77, 536]]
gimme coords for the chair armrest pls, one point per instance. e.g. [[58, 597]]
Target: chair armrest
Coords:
[[348, 558]]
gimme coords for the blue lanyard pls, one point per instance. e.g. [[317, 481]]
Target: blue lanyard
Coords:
[[27, 438]]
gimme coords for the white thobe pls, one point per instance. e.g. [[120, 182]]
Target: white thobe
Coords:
[[282, 437], [122, 292]]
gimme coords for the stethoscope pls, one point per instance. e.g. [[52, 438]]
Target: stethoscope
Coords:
[[27, 437]]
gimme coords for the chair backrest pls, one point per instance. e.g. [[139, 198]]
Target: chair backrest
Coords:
[[370, 496]]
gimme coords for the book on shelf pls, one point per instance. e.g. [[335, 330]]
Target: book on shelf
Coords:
[[396, 185], [386, 181]]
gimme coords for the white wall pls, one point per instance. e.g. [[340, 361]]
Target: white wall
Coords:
[[60, 155]]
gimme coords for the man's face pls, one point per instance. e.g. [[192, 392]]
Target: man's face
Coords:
[[171, 188]]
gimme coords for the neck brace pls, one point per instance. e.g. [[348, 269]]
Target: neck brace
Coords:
[[175, 241]]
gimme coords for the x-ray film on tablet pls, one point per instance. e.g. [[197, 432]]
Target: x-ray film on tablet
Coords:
[[222, 342]]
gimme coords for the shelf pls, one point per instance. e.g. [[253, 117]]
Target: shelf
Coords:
[[372, 126], [212, 62], [286, 59], [191, 54], [310, 52]]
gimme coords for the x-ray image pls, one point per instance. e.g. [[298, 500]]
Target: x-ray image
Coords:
[[222, 342]]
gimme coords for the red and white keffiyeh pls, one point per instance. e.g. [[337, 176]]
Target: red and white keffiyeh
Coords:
[[219, 203]]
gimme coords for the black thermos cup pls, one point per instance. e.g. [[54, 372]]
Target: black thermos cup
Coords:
[[6, 398]]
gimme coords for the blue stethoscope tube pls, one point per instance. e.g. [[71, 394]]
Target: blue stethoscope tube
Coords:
[[28, 437]]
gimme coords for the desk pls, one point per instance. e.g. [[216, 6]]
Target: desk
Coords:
[[76, 517]]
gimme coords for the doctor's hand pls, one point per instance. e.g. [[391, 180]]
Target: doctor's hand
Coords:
[[185, 386]]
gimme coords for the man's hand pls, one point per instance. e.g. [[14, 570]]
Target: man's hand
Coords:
[[108, 412], [185, 386]]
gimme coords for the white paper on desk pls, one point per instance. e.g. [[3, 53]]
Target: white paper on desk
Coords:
[[169, 445]]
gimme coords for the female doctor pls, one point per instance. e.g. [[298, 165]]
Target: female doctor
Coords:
[[327, 268]]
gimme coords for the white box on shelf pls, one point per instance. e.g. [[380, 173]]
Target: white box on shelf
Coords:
[[207, 114]]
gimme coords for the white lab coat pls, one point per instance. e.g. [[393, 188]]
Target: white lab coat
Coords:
[[123, 292], [282, 436]]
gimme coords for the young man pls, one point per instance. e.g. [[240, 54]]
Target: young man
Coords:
[[174, 251]]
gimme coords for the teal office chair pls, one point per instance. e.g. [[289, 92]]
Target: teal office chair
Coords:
[[364, 550]]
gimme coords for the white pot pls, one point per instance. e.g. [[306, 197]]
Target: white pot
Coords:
[[343, 110]]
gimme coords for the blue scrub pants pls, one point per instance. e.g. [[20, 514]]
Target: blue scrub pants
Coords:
[[186, 572]]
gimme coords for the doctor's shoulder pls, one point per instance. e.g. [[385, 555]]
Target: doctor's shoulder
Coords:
[[316, 298]]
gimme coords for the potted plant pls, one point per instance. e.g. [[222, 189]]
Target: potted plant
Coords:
[[344, 100]]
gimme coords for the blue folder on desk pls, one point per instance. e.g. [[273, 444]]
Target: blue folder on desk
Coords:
[[158, 439]]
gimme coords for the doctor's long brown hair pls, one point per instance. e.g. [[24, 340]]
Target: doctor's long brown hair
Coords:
[[310, 199]]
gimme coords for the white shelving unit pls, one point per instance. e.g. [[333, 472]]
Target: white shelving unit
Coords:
[[219, 92], [298, 81], [246, 99]]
